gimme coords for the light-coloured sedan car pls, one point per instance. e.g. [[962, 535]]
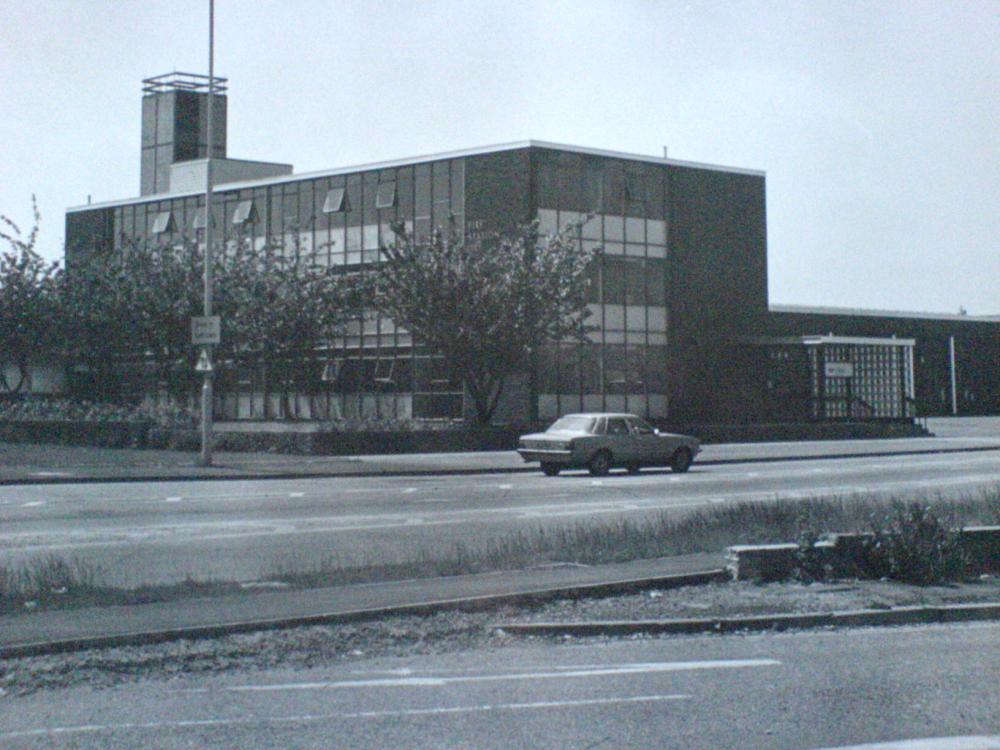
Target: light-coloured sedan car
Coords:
[[599, 442]]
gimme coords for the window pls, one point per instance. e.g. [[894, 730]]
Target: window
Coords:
[[245, 213], [385, 197], [336, 201], [331, 371], [617, 426], [164, 222], [656, 282], [593, 188], [383, 370], [432, 374], [636, 193], [638, 426], [614, 281], [635, 280]]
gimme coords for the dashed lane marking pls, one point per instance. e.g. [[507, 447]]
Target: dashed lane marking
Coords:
[[439, 681], [309, 718], [965, 742], [174, 499]]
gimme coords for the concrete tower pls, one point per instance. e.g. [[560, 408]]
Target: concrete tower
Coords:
[[174, 125]]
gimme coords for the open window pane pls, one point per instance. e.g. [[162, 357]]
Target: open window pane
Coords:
[[198, 222], [245, 212], [164, 222], [385, 197], [336, 201]]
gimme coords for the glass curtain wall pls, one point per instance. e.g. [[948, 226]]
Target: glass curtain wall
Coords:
[[373, 370], [624, 367]]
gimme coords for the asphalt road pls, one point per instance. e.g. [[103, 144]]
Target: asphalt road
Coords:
[[813, 689], [162, 532]]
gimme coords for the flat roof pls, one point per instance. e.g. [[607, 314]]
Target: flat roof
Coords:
[[871, 313], [478, 151], [818, 339]]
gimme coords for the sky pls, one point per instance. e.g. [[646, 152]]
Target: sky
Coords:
[[877, 123]]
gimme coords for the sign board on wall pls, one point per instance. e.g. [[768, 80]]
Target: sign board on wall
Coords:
[[839, 370]]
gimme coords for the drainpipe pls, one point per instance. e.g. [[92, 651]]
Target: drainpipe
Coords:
[[954, 388]]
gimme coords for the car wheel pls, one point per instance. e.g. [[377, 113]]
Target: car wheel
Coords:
[[633, 467], [600, 464], [681, 460], [550, 469]]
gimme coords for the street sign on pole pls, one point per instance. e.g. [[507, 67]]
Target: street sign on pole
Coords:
[[204, 362], [206, 329]]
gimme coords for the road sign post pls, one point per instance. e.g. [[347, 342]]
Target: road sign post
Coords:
[[214, 329]]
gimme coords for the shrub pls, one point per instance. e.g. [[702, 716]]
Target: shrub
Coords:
[[912, 544], [66, 410]]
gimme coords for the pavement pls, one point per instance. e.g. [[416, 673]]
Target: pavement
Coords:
[[52, 631], [44, 464], [59, 630]]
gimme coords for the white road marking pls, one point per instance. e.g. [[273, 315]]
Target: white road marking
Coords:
[[296, 494], [505, 486], [965, 742], [640, 668], [307, 718], [174, 499], [51, 474], [409, 490], [733, 474], [33, 504]]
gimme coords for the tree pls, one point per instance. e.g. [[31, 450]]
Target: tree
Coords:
[[486, 303], [132, 307], [29, 301], [279, 307], [129, 308]]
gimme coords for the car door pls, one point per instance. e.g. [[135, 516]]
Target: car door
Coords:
[[646, 442], [619, 440]]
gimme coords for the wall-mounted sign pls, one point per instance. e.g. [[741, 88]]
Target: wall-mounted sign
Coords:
[[206, 330], [839, 370]]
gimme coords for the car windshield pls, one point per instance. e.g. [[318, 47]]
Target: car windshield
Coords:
[[573, 424]]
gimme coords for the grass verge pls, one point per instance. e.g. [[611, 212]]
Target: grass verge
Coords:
[[56, 583], [664, 535], [52, 582]]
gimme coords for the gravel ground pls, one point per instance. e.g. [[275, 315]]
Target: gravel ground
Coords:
[[457, 631]]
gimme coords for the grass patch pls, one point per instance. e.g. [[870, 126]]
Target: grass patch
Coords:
[[53, 582], [664, 535]]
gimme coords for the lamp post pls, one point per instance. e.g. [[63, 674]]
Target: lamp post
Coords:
[[206, 386]]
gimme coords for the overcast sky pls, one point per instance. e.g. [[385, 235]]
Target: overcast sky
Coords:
[[876, 122]]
